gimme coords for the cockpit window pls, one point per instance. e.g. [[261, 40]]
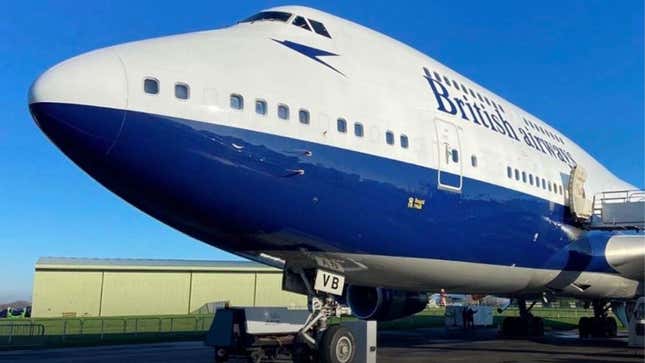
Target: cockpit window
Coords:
[[319, 28], [268, 16], [300, 22]]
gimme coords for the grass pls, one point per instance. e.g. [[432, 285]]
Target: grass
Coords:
[[555, 319], [142, 329], [96, 331], [114, 325]]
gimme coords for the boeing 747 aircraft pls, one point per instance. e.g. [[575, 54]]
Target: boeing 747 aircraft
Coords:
[[369, 172]]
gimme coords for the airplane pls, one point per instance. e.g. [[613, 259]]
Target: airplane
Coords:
[[369, 172]]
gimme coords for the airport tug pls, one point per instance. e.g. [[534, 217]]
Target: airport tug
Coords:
[[257, 334]]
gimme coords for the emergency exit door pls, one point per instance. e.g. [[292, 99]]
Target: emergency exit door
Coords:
[[449, 153]]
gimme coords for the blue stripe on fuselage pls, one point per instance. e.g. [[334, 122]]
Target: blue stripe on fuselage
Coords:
[[235, 189]]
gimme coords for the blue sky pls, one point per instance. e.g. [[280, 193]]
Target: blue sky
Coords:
[[576, 64]]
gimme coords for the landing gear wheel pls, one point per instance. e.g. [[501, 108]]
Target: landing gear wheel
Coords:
[[513, 326], [303, 354], [612, 327], [584, 327], [537, 327], [508, 326], [338, 345], [221, 355]]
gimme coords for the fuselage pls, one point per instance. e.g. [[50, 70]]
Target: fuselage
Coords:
[[342, 149]]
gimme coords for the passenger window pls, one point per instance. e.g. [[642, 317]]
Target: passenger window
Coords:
[[517, 174], [151, 86], [358, 129], [303, 117], [389, 138], [300, 22], [319, 28], [560, 187], [473, 161], [437, 76], [455, 155], [543, 183], [341, 125], [237, 102], [509, 172], [261, 107], [531, 179], [404, 142], [283, 112], [454, 83], [549, 186], [447, 80], [182, 91], [524, 176]]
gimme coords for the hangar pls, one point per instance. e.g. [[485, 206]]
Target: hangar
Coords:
[[121, 287]]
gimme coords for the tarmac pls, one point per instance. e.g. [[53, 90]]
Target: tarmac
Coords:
[[422, 345]]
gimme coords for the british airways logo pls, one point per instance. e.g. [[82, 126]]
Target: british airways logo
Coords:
[[495, 121], [310, 52]]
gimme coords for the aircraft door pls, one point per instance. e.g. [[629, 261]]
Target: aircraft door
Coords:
[[449, 155]]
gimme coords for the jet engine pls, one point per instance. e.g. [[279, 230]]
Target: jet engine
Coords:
[[375, 303]]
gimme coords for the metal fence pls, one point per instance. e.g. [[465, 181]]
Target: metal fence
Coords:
[[15, 332], [31, 332], [552, 313], [65, 331]]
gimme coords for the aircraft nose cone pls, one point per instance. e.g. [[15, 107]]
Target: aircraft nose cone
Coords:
[[80, 103]]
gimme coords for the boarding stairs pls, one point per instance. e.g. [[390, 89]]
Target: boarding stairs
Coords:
[[609, 210], [618, 210]]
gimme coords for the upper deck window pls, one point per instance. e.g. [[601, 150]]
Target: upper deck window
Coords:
[[404, 141], [358, 129], [268, 16], [319, 28], [151, 86], [300, 22], [237, 102], [389, 138], [261, 107], [303, 117], [283, 111], [341, 125], [182, 91]]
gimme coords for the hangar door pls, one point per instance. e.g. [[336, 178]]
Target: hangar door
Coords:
[[449, 155]]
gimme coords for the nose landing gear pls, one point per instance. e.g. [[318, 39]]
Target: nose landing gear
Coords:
[[258, 335]]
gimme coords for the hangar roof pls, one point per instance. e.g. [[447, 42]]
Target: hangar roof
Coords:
[[130, 264]]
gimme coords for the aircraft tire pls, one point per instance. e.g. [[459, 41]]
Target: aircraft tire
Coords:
[[302, 354], [598, 327], [612, 327], [221, 355], [537, 327], [337, 345], [584, 327], [509, 326]]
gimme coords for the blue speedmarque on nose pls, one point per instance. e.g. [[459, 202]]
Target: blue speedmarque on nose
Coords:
[[80, 131]]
